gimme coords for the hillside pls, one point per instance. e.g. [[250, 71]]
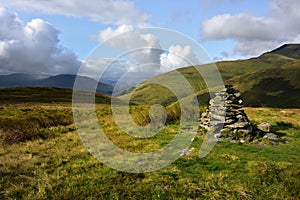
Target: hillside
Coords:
[[42, 95], [274, 66], [289, 50], [279, 87]]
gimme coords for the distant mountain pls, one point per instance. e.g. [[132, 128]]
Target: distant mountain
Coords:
[[19, 79], [67, 81], [59, 81], [270, 80]]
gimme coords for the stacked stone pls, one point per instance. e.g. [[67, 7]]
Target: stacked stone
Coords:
[[226, 110]]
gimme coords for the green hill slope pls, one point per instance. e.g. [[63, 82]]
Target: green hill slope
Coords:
[[289, 50], [279, 65], [278, 87]]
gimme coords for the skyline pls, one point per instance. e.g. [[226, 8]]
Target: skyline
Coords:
[[66, 32]]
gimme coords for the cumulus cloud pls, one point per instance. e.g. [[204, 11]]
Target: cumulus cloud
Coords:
[[143, 48], [109, 12], [108, 68], [144, 55], [32, 47], [177, 57], [254, 35], [128, 38]]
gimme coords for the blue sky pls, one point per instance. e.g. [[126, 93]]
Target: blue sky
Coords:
[[182, 16], [226, 29]]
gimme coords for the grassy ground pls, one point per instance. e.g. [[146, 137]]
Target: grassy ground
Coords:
[[59, 167]]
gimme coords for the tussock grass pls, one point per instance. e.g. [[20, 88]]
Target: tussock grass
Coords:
[[61, 168], [26, 122]]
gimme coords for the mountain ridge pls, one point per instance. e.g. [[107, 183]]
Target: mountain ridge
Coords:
[[59, 81]]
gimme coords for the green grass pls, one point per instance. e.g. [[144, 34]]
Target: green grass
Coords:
[[61, 168], [22, 123]]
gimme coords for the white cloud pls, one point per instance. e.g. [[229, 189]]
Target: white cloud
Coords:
[[107, 68], [241, 26], [255, 35], [145, 48], [142, 48], [32, 47], [128, 38], [177, 57], [105, 11], [145, 57]]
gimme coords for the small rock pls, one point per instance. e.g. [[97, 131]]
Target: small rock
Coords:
[[286, 142], [271, 136], [185, 152], [238, 125], [140, 162], [237, 94], [273, 143], [266, 127]]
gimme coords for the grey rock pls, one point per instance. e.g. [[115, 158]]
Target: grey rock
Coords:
[[286, 142], [273, 143], [237, 94], [185, 152], [266, 127], [239, 125], [271, 136]]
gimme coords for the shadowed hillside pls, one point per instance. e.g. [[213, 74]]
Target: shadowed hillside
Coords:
[[278, 87]]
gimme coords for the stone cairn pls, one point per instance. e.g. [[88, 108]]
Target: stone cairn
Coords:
[[226, 110]]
